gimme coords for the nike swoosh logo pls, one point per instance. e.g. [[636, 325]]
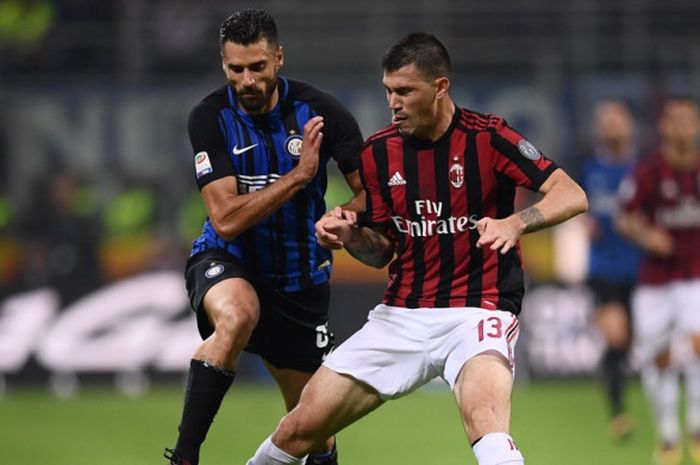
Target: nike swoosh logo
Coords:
[[237, 151]]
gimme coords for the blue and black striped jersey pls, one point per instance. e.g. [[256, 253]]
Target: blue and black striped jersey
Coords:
[[258, 150], [611, 256]]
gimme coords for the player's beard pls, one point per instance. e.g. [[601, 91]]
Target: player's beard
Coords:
[[253, 100]]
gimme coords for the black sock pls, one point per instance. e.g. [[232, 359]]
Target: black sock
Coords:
[[324, 458], [614, 378], [206, 387]]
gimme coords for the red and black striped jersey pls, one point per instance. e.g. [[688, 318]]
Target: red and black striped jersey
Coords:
[[429, 196], [669, 199]]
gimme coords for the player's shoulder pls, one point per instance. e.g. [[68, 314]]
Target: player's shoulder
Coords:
[[311, 95], [301, 90], [387, 132], [471, 120], [212, 103]]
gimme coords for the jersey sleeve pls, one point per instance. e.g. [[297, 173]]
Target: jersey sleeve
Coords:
[[342, 136], [211, 161], [518, 158], [376, 209]]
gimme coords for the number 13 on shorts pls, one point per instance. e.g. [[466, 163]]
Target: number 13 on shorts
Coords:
[[502, 327]]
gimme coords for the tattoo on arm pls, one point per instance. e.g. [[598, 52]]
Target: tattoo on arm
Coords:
[[533, 219], [370, 247]]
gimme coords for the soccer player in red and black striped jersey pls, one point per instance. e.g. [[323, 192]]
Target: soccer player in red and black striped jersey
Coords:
[[661, 203], [440, 184]]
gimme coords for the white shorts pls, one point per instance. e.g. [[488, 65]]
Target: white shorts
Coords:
[[664, 316], [400, 349]]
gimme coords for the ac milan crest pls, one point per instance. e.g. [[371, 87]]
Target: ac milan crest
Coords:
[[457, 175]]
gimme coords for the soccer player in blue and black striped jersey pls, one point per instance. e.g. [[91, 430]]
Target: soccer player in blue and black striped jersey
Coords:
[[257, 277]]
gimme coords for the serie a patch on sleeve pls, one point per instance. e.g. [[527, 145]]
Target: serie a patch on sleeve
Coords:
[[202, 164], [528, 150]]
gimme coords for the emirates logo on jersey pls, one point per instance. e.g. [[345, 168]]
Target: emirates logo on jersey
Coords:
[[457, 175], [431, 221]]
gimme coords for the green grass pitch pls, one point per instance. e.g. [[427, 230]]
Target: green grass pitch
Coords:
[[554, 423]]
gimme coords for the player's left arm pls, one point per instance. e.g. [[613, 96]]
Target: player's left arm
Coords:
[[348, 211], [357, 202], [343, 141], [563, 198]]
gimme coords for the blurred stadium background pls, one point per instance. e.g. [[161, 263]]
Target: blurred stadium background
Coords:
[[98, 207]]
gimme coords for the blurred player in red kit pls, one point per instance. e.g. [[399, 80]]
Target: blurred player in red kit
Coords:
[[662, 215]]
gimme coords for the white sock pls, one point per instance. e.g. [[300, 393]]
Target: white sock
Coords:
[[270, 454], [662, 388], [692, 392], [497, 449]]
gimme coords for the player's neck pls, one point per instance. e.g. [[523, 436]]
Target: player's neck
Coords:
[[445, 113], [681, 157], [617, 150]]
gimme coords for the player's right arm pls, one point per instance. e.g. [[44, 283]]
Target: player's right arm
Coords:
[[370, 245], [231, 213], [633, 223], [635, 227]]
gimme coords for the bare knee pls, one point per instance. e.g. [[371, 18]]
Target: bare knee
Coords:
[[482, 418], [297, 437], [483, 393], [663, 360], [613, 324], [695, 339], [234, 325]]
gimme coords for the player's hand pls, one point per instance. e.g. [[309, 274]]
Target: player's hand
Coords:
[[339, 212], [658, 242], [328, 240], [499, 235], [308, 160], [333, 230]]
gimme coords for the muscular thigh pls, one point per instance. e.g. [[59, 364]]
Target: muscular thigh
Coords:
[[217, 283], [330, 402]]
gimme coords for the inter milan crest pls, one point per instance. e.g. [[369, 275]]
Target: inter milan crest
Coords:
[[293, 145], [457, 175], [214, 270]]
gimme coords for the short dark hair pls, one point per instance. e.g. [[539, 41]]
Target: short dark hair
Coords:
[[245, 27], [421, 49], [680, 98]]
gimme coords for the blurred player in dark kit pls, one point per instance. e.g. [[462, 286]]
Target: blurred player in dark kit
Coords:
[[613, 260], [257, 277]]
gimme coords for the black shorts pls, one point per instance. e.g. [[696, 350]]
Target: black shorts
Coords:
[[605, 292], [293, 328]]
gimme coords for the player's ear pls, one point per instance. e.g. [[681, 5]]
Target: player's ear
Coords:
[[280, 56], [223, 60], [442, 86]]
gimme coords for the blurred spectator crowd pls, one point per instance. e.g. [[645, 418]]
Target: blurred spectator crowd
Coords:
[[73, 239]]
